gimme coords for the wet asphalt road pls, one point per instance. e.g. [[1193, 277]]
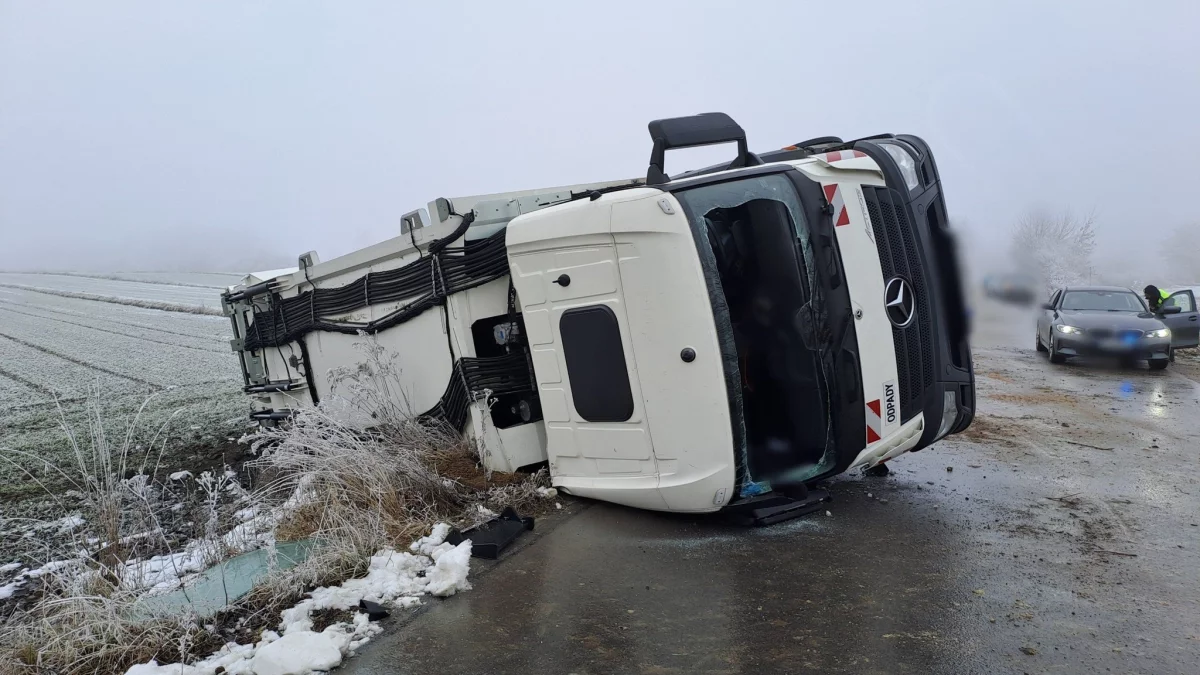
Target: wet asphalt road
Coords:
[[1065, 540]]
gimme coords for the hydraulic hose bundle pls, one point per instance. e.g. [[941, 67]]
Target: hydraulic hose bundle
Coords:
[[441, 271], [428, 281]]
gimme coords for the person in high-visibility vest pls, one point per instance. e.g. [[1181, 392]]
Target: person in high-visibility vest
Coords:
[[1155, 297]]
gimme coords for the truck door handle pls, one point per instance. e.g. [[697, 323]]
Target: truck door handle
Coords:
[[1194, 317]]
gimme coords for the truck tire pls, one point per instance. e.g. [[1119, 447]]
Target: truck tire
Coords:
[[1038, 339], [1159, 364]]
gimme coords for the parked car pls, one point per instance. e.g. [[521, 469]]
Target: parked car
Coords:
[[1114, 321], [1015, 288]]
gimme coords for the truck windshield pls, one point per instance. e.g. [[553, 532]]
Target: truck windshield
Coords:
[[755, 243]]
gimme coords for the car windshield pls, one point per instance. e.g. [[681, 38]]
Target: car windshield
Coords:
[[1111, 301]]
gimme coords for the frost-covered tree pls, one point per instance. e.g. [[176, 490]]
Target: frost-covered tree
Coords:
[[1057, 248]]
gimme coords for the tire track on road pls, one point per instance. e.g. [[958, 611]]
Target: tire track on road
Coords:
[[78, 362], [113, 332]]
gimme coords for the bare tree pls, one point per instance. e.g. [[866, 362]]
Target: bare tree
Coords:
[[1181, 253], [1057, 248]]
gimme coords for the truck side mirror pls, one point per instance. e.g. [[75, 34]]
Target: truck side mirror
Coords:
[[1047, 305], [1173, 309]]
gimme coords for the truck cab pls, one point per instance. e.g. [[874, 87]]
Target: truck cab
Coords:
[[770, 322], [677, 343]]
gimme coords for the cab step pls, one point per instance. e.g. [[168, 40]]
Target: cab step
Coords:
[[772, 508]]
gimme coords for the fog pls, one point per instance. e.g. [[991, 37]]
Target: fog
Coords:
[[231, 136]]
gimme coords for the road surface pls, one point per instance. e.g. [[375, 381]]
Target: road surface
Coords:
[[1063, 540]]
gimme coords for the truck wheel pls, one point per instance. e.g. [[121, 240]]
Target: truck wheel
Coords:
[[1159, 364], [878, 471], [1038, 338], [1055, 357]]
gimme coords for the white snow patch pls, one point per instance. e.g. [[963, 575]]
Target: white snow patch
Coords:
[[547, 492], [165, 572], [297, 653], [180, 475], [395, 578], [69, 524], [21, 579], [49, 567], [10, 567], [449, 574], [153, 668], [425, 545]]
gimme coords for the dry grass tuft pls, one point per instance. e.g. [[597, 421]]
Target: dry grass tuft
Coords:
[[321, 477]]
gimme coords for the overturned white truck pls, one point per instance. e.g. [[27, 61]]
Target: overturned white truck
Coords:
[[680, 343]]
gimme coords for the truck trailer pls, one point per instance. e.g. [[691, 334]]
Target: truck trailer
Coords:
[[677, 343]]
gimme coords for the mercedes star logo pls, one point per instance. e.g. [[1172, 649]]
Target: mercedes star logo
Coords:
[[898, 302]]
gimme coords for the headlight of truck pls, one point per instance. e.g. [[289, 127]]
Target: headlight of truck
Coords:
[[949, 414], [1067, 330], [1160, 333], [908, 164]]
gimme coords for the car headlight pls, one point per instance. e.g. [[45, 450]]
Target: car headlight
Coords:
[[907, 163], [1067, 330], [1160, 333]]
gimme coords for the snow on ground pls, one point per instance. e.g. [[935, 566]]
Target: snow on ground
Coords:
[[60, 348], [25, 576], [52, 346], [220, 280], [134, 290], [131, 355], [395, 578], [115, 317]]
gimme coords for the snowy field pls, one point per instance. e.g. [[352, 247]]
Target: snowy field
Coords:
[[54, 350], [151, 290]]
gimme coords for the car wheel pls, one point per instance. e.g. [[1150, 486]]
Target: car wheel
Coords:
[[1038, 339], [1159, 364], [1055, 357]]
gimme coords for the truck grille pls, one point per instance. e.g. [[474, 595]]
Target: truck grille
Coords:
[[899, 257]]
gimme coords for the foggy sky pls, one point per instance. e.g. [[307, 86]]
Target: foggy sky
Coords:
[[231, 136]]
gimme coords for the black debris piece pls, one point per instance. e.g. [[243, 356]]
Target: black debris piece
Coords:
[[374, 610], [774, 507], [492, 537]]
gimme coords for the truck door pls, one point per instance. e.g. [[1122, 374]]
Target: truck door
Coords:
[[1185, 326], [625, 352]]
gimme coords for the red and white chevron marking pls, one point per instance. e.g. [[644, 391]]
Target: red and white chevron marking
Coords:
[[833, 195], [839, 155], [874, 422]]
